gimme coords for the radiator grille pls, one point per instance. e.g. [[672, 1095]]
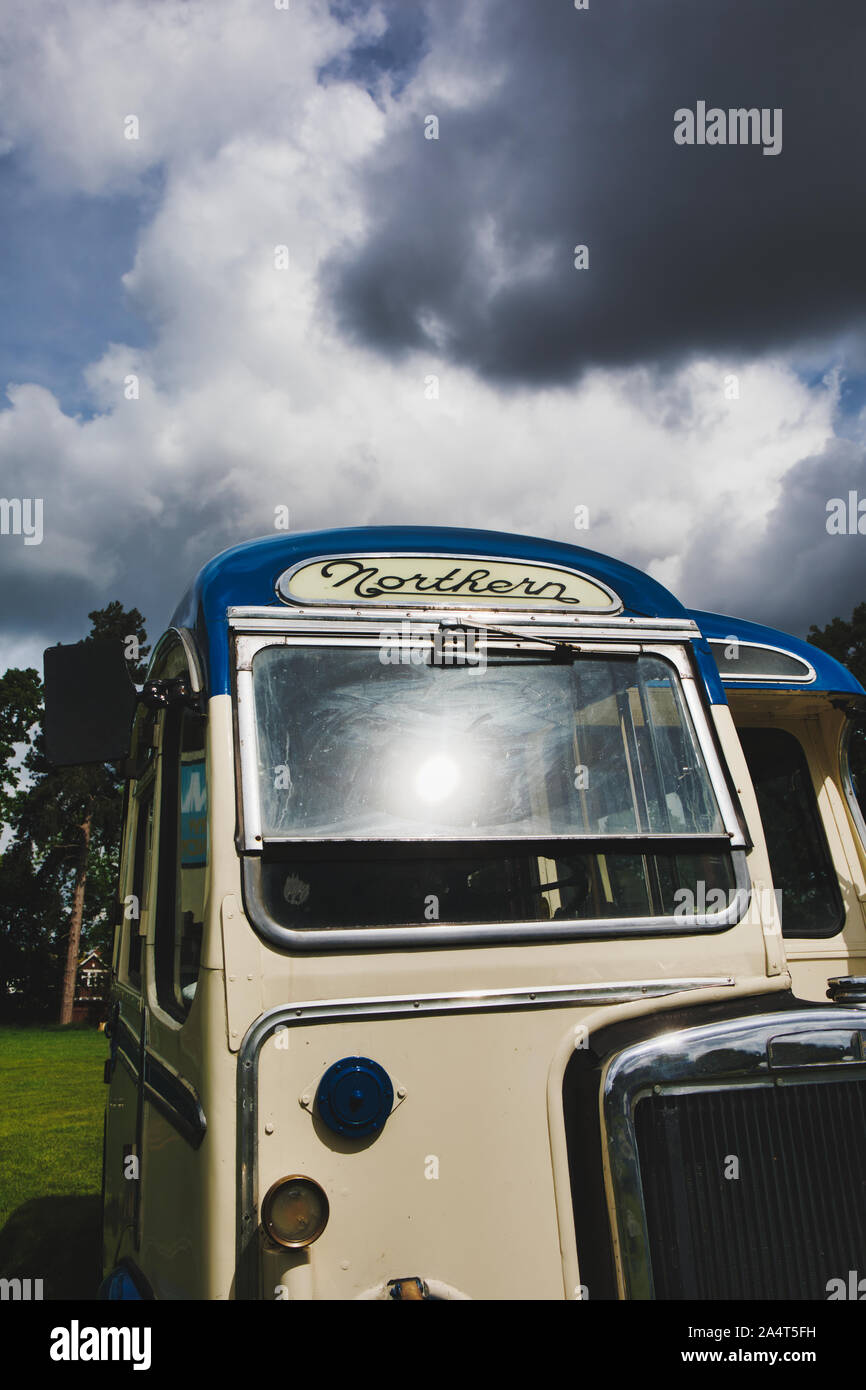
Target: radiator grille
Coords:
[[793, 1219]]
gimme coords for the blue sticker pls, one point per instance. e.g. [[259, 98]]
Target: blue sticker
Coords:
[[193, 814]]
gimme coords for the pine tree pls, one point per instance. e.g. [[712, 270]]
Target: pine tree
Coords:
[[20, 713], [66, 824], [846, 641]]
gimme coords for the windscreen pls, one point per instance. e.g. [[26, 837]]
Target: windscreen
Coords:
[[351, 746]]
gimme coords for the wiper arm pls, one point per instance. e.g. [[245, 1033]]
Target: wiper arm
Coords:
[[564, 652]]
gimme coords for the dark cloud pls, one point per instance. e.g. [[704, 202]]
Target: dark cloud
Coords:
[[469, 242]]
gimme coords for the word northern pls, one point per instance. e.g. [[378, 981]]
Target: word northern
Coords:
[[737, 126], [433, 580], [369, 582]]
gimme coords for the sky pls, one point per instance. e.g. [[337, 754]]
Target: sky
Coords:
[[258, 254]]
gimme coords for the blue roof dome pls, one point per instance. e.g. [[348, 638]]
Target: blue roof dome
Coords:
[[246, 575]]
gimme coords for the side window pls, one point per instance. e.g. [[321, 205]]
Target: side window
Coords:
[[140, 876], [855, 768], [800, 858], [140, 807], [183, 861]]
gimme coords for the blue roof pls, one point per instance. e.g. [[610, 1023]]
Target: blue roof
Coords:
[[830, 675], [246, 576]]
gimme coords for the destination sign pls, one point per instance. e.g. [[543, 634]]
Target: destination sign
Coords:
[[443, 580]]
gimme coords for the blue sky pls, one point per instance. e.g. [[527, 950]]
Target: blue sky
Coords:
[[61, 298]]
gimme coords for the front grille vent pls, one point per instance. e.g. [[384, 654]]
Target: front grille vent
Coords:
[[789, 1217]]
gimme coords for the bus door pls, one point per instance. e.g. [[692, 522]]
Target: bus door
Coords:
[[155, 1123], [806, 757]]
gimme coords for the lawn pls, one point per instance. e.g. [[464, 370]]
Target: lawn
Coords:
[[52, 1099]]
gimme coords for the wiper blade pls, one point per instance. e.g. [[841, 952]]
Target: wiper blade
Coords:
[[563, 652]]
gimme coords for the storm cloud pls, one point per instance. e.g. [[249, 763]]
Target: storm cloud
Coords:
[[556, 129]]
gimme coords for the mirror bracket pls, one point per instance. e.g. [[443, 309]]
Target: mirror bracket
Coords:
[[164, 694]]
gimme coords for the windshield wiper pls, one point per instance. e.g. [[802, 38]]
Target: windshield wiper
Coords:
[[563, 653]]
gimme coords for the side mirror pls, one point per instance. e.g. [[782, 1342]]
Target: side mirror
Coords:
[[89, 703]]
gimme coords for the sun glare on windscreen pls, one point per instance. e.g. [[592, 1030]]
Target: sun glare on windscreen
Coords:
[[437, 779]]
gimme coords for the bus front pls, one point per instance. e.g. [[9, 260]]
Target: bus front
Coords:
[[506, 950]]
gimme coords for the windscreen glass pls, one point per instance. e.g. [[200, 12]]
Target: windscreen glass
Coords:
[[460, 884], [351, 746]]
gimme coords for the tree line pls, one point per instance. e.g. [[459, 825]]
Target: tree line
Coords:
[[62, 827]]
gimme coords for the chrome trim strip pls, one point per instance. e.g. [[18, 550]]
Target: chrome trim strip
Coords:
[[164, 1087], [175, 1099], [732, 818], [423, 636], [719, 1056], [615, 605], [354, 620], [308, 1012], [186, 639], [489, 933], [188, 643], [251, 814], [701, 839]]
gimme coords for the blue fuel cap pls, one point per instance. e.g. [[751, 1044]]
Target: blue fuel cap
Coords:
[[355, 1097]]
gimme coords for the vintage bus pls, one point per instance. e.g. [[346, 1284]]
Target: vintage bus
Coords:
[[489, 926]]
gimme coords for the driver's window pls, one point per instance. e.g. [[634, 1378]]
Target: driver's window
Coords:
[[136, 904], [856, 767], [183, 860]]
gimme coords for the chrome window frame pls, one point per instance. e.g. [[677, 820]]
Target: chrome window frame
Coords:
[[254, 629], [847, 779], [699, 1060], [808, 679], [184, 639], [175, 642]]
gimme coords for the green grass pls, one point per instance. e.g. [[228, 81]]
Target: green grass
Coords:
[[52, 1099]]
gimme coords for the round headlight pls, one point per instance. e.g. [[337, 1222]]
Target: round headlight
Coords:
[[295, 1212]]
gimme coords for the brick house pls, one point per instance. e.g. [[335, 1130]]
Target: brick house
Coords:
[[91, 989]]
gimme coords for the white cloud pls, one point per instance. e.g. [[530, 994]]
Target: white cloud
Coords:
[[250, 398], [195, 73]]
